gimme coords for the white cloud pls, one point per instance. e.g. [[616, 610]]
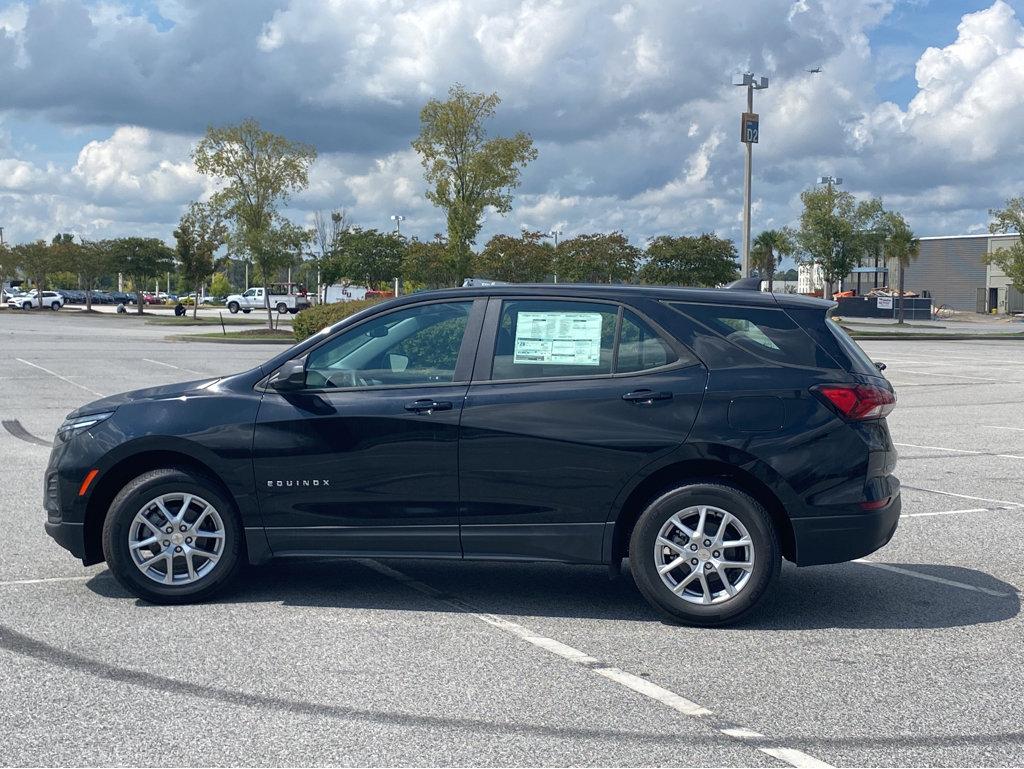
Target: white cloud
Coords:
[[628, 102]]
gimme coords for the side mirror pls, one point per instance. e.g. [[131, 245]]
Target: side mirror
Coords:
[[290, 377]]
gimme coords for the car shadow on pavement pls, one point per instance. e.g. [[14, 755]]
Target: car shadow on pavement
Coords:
[[852, 595]]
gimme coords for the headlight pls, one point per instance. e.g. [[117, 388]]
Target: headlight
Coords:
[[78, 424]]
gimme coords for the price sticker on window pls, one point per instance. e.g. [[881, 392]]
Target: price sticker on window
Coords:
[[562, 338]]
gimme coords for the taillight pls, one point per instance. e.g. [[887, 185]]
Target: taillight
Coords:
[[858, 401]]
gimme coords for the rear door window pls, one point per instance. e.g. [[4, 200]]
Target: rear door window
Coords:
[[552, 338], [768, 333]]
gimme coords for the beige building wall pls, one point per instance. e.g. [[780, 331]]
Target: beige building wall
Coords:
[[1006, 297]]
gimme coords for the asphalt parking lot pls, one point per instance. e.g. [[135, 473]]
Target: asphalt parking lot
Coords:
[[910, 658]]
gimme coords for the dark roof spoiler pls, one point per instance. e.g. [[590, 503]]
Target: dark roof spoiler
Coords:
[[745, 284]]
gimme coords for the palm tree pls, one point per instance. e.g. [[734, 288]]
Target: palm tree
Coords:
[[768, 248], [900, 244]]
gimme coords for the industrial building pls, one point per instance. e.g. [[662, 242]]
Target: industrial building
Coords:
[[951, 269]]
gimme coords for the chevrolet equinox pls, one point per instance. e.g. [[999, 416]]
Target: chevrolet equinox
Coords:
[[704, 434]]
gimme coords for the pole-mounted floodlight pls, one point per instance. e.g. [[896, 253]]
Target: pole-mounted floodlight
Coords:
[[749, 129], [837, 180], [398, 219]]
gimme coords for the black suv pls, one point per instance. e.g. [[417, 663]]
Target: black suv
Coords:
[[703, 434]]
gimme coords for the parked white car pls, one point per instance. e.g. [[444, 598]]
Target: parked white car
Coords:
[[281, 300], [30, 301]]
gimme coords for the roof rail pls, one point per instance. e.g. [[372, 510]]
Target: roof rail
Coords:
[[746, 284]]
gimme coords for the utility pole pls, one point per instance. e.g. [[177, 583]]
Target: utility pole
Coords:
[[749, 129], [398, 219]]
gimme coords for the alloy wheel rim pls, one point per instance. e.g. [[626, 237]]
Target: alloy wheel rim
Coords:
[[704, 555], [176, 538]]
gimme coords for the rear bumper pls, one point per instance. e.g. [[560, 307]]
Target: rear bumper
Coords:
[[839, 538]]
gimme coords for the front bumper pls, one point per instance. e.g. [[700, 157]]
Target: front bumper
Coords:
[[70, 536], [839, 538]]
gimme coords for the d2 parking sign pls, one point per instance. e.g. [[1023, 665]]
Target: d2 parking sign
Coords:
[[749, 128]]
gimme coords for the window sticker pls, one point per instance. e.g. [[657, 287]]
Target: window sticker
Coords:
[[566, 338]]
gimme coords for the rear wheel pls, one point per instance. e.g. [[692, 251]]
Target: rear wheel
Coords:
[[282, 308], [704, 554], [172, 537]]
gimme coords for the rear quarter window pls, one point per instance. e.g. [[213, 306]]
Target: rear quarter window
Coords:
[[765, 332]]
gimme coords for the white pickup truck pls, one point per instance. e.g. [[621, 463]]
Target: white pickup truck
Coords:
[[281, 299]]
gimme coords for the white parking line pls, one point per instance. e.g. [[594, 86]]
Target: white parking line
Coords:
[[930, 578], [169, 365], [48, 579], [958, 451], [635, 683], [62, 378], [944, 375], [954, 512], [963, 496], [1004, 427]]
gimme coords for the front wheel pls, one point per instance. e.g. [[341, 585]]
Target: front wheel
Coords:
[[171, 536], [26, 306], [233, 308], [55, 306], [704, 554]]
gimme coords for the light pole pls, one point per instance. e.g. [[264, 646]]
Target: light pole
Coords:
[[398, 219], [748, 135]]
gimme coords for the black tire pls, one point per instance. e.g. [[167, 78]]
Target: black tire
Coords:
[[764, 542], [132, 498], [26, 306], [233, 308], [282, 308], [55, 306], [246, 312]]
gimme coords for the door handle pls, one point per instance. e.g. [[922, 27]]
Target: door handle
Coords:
[[646, 397], [426, 406]]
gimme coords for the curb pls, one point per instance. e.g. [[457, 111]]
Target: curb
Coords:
[[1013, 336], [215, 340]]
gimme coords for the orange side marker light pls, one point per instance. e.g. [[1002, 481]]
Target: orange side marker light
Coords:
[[88, 479]]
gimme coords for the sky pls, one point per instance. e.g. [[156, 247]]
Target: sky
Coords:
[[629, 103]]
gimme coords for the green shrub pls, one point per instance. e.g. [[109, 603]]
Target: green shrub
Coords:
[[312, 319]]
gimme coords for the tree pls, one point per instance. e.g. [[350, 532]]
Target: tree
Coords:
[[900, 244], [526, 259], [429, 264], [272, 250], [260, 171], [36, 260], [1009, 220], [704, 260], [325, 234], [466, 171], [141, 260], [92, 263], [596, 258], [6, 263], [220, 285], [200, 233], [836, 230], [767, 249], [367, 257]]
